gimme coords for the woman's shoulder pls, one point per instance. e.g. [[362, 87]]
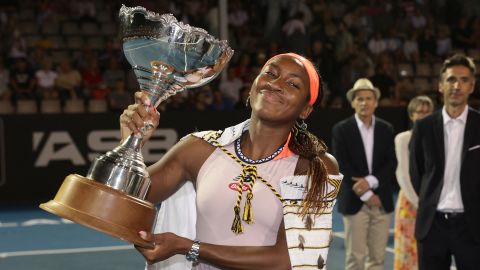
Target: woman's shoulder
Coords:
[[402, 136], [331, 163]]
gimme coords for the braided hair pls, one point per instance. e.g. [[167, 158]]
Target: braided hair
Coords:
[[308, 146]]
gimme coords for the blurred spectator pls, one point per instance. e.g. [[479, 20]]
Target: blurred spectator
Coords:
[[299, 6], [392, 41], [410, 47], [243, 69], [68, 82], [46, 81], [427, 44], [384, 82], [244, 96], [4, 82], [93, 81], [343, 42], [219, 103], [377, 44], [18, 48], [119, 98], [404, 89], [295, 35], [101, 92], [112, 52], [324, 60], [273, 21], [237, 16], [202, 99], [177, 102], [212, 20], [84, 10], [418, 20], [461, 35], [475, 37], [113, 73], [444, 43], [22, 81], [36, 58], [230, 86]]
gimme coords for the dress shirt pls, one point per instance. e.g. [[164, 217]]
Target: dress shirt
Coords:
[[453, 131], [367, 134]]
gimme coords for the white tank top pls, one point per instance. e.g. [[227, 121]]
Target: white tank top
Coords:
[[216, 197]]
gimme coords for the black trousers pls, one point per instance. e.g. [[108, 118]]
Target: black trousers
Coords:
[[448, 236]]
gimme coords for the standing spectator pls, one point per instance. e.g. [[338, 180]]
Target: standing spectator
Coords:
[[444, 160], [46, 81], [364, 147], [407, 202]]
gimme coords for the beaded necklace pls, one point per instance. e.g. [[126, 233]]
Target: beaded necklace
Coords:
[[238, 151]]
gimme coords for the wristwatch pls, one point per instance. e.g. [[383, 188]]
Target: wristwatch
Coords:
[[192, 254]]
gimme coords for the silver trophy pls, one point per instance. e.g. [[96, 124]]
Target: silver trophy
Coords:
[[167, 57]]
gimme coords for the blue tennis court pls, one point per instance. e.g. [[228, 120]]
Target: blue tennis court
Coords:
[[31, 238]]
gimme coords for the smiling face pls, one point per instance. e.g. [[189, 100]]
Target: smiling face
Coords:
[[281, 90], [456, 85]]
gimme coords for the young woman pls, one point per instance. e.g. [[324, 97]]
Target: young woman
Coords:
[[262, 186]]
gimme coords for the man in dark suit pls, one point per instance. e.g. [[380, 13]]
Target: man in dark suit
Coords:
[[445, 172], [363, 145]]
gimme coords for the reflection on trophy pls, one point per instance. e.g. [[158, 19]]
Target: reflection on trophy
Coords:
[[167, 57]]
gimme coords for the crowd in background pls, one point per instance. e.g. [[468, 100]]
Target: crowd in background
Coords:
[[70, 50]]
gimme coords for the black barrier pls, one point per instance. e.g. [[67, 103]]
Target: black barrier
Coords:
[[38, 151]]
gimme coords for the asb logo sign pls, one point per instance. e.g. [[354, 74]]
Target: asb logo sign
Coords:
[[60, 146]]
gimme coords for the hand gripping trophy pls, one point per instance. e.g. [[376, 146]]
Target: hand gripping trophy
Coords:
[[167, 57]]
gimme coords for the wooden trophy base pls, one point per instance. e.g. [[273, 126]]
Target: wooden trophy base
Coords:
[[104, 209]]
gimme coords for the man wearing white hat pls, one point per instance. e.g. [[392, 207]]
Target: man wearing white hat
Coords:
[[364, 147]]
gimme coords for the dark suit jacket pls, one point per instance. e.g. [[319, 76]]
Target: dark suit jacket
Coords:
[[347, 146], [427, 162]]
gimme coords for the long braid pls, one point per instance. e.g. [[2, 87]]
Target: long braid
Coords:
[[308, 146]]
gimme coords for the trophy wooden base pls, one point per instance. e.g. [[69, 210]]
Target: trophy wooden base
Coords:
[[102, 208]]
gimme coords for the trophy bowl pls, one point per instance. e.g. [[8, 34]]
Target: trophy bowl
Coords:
[[167, 57]]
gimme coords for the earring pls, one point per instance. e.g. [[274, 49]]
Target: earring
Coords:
[[301, 125], [247, 102]]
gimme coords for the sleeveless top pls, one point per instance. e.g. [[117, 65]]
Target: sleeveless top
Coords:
[[307, 245]]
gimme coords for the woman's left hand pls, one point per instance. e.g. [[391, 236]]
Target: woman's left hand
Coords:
[[165, 246]]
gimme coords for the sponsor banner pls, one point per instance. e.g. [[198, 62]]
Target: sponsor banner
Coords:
[[38, 151]]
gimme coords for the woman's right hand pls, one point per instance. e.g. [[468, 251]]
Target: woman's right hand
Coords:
[[136, 115]]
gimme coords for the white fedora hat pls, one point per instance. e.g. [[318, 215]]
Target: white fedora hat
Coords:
[[362, 84]]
